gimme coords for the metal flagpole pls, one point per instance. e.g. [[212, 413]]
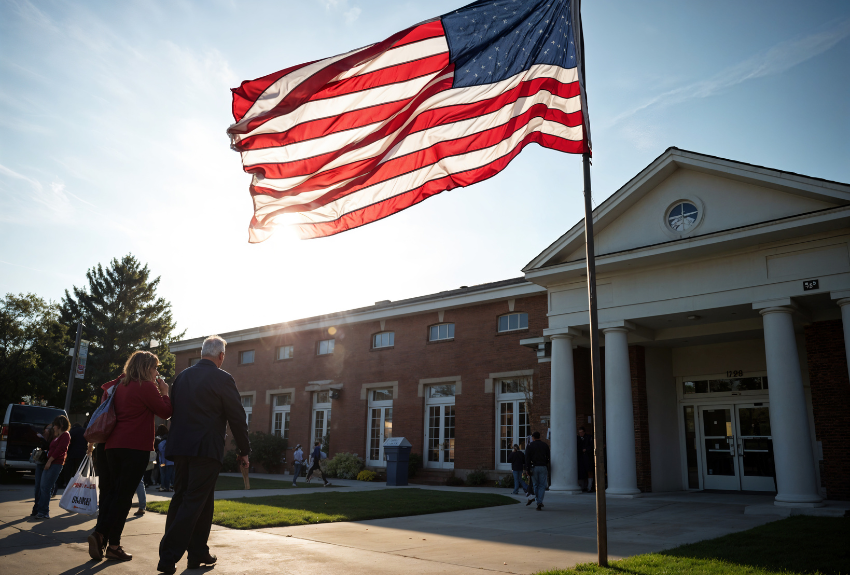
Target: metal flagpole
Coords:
[[596, 373], [73, 368]]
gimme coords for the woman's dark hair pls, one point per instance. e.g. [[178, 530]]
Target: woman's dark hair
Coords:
[[62, 423], [516, 447], [162, 430]]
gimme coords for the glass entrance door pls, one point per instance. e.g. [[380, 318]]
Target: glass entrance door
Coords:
[[737, 447], [720, 470], [755, 447], [440, 427]]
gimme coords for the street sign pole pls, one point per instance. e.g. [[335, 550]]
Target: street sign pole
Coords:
[[73, 368]]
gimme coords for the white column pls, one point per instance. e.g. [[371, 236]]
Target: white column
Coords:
[[845, 320], [789, 420], [619, 417], [562, 418]]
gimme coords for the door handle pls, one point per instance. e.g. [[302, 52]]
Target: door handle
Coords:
[[731, 440]]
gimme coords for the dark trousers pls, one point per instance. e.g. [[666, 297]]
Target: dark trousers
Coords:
[[72, 464], [318, 468], [187, 528], [123, 472]]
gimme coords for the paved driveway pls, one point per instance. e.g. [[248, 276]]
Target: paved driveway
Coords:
[[508, 539]]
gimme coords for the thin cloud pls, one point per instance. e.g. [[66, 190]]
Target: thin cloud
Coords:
[[778, 59], [350, 13]]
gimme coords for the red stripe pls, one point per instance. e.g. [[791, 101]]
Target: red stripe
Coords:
[[423, 31], [419, 159], [410, 198], [305, 90], [247, 93], [427, 119]]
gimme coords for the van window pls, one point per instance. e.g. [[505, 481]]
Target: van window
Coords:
[[33, 415]]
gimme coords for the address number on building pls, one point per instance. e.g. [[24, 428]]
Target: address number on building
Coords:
[[809, 285], [735, 373]]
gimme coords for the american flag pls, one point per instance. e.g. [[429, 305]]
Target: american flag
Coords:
[[338, 143]]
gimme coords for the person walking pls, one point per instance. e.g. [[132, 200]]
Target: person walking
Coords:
[[517, 461], [316, 457], [47, 475], [76, 453], [143, 498], [537, 462], [156, 476], [166, 469], [205, 400], [297, 463], [137, 399]]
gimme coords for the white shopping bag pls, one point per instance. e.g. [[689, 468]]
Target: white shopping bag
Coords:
[[81, 494]]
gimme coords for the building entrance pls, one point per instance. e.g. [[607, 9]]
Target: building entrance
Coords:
[[440, 427], [737, 448]]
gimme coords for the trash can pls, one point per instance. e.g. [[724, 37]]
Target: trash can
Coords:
[[397, 450]]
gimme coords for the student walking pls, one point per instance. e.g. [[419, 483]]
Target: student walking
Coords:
[[537, 462], [143, 499], [137, 399], [517, 461], [166, 469], [317, 458], [297, 463], [46, 475]]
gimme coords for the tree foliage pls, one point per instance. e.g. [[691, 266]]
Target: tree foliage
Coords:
[[33, 351], [121, 313]]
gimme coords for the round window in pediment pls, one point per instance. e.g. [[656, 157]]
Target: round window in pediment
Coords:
[[683, 216]]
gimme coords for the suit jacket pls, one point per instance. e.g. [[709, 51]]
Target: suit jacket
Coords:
[[205, 400]]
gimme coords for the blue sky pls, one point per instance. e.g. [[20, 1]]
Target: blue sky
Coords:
[[113, 116]]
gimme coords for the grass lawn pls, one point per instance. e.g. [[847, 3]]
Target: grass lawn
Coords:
[[794, 545], [237, 484], [329, 507]]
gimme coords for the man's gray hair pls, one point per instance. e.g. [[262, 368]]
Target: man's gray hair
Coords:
[[213, 346]]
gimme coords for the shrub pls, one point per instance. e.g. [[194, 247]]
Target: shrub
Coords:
[[230, 464], [414, 464], [268, 450], [506, 481], [475, 478], [453, 480], [344, 466], [367, 475]]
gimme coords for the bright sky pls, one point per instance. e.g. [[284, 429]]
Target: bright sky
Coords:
[[113, 116]]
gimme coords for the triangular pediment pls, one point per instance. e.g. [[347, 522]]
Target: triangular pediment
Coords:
[[715, 194]]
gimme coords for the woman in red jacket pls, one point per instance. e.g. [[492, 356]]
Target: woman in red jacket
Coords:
[[137, 400], [46, 476]]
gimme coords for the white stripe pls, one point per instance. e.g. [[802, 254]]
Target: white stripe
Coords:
[[411, 143], [264, 205], [399, 55], [275, 93], [392, 57]]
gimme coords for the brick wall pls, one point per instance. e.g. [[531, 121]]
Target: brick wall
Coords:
[[476, 351], [637, 366], [830, 403]]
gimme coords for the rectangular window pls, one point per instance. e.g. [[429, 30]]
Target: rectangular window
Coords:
[[513, 321], [515, 385], [382, 394], [691, 448], [325, 347], [282, 399], [193, 361], [725, 385], [442, 331], [447, 390], [246, 357], [248, 404], [385, 339], [285, 352], [322, 397], [281, 424]]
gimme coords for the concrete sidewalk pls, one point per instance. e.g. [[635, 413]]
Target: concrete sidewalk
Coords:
[[507, 539]]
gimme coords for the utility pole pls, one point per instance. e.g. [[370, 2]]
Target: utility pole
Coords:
[[73, 373]]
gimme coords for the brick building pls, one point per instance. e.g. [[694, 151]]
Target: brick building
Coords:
[[724, 303]]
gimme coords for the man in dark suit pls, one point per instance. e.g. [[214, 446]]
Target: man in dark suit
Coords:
[[205, 400]]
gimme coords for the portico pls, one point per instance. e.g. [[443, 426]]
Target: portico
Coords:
[[713, 278]]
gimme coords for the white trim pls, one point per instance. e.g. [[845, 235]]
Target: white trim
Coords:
[[455, 379], [364, 388]]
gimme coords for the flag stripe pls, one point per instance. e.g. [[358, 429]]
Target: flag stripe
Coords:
[[327, 152], [470, 123], [395, 204], [267, 207]]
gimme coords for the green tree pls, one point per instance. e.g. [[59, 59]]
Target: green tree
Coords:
[[33, 351], [121, 313]]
